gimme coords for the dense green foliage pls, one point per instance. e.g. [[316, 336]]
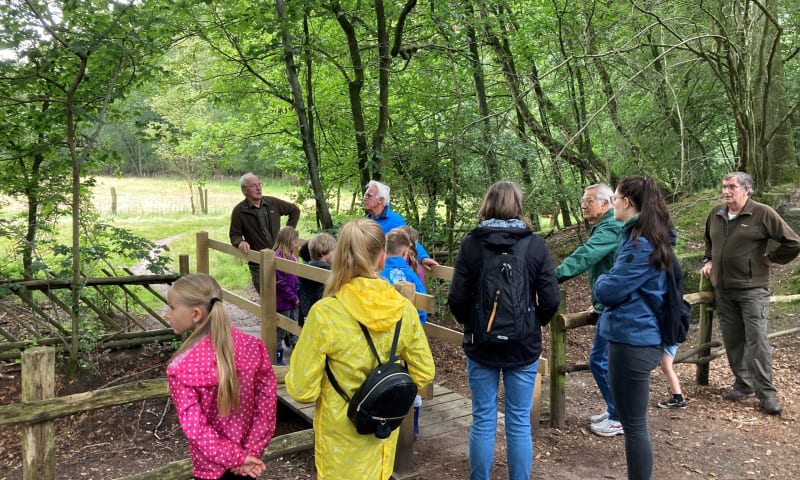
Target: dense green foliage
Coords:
[[438, 99]]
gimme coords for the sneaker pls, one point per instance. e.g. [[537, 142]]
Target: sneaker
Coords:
[[771, 406], [598, 418], [607, 428], [672, 402], [279, 357], [734, 395]]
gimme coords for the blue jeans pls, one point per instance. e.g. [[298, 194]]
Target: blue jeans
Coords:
[[629, 370], [598, 364], [518, 384]]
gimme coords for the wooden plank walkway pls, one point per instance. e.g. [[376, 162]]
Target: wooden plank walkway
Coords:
[[444, 420]]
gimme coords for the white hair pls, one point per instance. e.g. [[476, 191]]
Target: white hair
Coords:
[[383, 190], [243, 178], [603, 193]]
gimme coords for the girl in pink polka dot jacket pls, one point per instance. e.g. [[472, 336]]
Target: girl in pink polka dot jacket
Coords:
[[221, 382]]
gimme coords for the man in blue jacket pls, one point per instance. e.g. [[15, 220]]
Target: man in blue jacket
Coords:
[[376, 204], [596, 256]]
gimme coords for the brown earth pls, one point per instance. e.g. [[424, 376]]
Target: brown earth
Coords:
[[710, 439]]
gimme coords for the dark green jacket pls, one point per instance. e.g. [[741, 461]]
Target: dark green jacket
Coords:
[[737, 247], [596, 256]]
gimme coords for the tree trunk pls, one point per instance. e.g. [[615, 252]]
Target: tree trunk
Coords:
[[305, 116]]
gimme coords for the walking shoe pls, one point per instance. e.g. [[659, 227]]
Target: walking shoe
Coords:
[[607, 428], [672, 402], [279, 357], [771, 406], [598, 418], [734, 395]]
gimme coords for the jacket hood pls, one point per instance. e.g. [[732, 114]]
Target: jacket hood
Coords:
[[372, 302], [499, 238]]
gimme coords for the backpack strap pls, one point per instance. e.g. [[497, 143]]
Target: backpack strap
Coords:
[[392, 357]]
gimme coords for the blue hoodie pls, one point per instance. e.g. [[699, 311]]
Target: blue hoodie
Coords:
[[395, 270]]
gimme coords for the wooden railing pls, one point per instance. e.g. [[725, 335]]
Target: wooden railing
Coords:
[[701, 354], [39, 408]]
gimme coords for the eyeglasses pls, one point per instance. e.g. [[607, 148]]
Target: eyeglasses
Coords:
[[587, 201], [369, 195]]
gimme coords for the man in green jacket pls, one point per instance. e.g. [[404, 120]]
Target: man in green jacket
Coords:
[[597, 256], [737, 262]]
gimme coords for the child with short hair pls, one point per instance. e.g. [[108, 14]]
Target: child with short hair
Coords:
[[320, 249], [286, 300], [221, 383]]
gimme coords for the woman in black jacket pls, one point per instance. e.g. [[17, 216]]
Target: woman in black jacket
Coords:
[[502, 239]]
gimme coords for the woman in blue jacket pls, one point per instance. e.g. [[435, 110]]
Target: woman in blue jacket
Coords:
[[632, 291]]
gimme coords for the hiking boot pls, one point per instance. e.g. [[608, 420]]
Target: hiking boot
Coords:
[[672, 402], [734, 395], [771, 406], [598, 418], [607, 428]]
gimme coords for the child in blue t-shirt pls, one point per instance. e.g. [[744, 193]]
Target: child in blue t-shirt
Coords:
[[397, 269]]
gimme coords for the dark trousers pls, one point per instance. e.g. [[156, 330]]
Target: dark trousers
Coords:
[[629, 370], [255, 275]]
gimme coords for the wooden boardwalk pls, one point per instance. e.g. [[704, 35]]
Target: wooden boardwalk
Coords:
[[444, 420]]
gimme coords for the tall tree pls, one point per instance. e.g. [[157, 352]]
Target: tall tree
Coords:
[[71, 59]]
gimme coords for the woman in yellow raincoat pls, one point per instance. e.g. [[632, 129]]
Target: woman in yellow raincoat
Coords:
[[354, 294]]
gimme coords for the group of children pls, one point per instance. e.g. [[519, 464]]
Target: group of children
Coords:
[[221, 370]]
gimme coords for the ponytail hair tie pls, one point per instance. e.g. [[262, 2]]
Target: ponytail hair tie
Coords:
[[212, 302]]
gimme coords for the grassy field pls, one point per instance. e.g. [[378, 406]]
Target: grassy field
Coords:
[[159, 210]]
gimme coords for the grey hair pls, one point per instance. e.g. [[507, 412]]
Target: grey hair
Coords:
[[243, 178], [603, 193], [383, 190], [744, 179]]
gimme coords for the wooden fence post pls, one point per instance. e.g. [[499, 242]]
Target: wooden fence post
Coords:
[[38, 439], [558, 361], [704, 335], [267, 301], [113, 201], [183, 264], [202, 252]]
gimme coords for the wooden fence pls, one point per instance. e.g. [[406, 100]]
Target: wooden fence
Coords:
[[701, 354], [113, 313], [39, 409]]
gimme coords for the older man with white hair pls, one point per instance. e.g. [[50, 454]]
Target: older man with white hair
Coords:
[[376, 204]]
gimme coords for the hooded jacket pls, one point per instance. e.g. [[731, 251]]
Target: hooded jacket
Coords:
[[217, 444], [463, 293], [331, 333], [631, 291], [737, 247]]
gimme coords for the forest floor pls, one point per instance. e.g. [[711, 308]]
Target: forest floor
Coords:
[[712, 438]]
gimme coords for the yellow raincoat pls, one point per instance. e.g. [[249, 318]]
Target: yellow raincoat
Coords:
[[331, 332]]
